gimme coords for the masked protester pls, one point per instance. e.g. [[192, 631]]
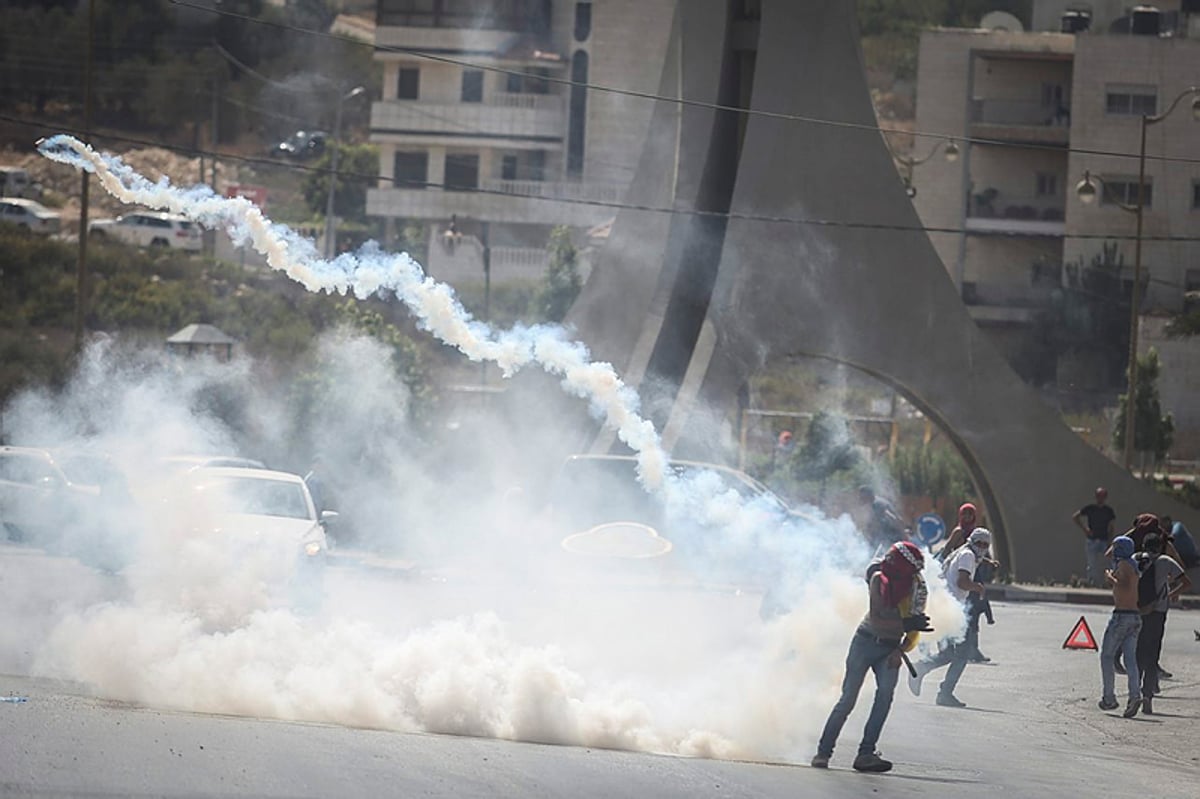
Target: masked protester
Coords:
[[968, 517], [895, 618], [959, 572], [1123, 628]]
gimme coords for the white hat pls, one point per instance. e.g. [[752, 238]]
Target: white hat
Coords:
[[980, 537]]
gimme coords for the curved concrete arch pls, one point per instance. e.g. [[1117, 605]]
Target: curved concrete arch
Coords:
[[874, 295]]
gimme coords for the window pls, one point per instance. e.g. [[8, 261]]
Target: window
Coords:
[[410, 170], [1195, 195], [1131, 100], [1124, 191], [472, 86], [583, 21], [512, 83], [508, 167], [537, 165], [577, 134], [462, 172], [408, 84], [1047, 185]]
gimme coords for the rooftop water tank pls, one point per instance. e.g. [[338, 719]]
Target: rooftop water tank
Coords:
[[1076, 21], [1145, 21]]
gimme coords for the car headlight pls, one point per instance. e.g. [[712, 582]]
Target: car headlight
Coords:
[[312, 548]]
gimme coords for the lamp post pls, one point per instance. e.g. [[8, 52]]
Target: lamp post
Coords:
[[1086, 191], [330, 227], [908, 162]]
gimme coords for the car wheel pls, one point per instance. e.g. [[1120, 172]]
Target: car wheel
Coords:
[[159, 242]]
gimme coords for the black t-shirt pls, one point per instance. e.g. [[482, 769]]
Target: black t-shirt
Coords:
[[1098, 518]]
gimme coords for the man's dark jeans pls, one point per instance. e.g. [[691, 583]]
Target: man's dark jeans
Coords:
[[866, 654], [1149, 648]]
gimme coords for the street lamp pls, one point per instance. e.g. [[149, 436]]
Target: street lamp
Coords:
[[908, 163], [1086, 192], [330, 227]]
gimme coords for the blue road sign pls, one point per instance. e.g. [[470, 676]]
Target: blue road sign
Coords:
[[930, 529]]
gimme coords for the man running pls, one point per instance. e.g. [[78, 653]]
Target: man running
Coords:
[[1123, 628]]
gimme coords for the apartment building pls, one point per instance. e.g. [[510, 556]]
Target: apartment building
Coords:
[[484, 120], [1033, 112]]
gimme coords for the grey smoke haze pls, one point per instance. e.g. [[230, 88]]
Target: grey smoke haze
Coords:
[[500, 633]]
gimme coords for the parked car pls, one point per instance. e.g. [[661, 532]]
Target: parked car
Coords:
[[30, 215], [302, 145], [15, 181], [597, 502], [267, 511], [150, 229], [177, 464], [73, 503]]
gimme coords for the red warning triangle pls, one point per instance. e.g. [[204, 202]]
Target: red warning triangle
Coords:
[[1081, 637]]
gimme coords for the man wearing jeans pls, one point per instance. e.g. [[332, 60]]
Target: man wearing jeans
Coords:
[[896, 593], [1123, 628], [1096, 521]]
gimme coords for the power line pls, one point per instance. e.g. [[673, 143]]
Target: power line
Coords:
[[678, 100], [608, 204]]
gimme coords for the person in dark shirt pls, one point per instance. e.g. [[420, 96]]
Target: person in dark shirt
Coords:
[[884, 527], [1096, 521]]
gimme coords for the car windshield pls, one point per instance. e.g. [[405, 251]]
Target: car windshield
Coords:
[[258, 496]]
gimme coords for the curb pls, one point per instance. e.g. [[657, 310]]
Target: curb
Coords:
[[1012, 592]]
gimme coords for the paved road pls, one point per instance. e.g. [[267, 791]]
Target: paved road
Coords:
[[1032, 729]]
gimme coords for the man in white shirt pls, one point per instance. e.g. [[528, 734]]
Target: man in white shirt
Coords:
[[959, 573]]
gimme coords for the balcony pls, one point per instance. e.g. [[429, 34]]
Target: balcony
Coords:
[[521, 117], [1004, 303], [1024, 121], [527, 202], [996, 212]]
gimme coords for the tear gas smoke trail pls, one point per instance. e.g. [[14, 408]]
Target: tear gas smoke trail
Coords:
[[370, 271]]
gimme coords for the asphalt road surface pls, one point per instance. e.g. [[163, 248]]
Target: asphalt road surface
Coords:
[[1032, 729]]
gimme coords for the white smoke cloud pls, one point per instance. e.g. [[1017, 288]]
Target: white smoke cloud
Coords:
[[496, 631]]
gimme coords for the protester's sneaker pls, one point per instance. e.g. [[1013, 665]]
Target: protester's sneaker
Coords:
[[950, 700], [979, 657], [872, 762], [1164, 674], [1147, 706], [820, 761], [1131, 709], [914, 683], [1109, 704]]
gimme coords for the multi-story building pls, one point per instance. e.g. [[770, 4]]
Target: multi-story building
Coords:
[[1034, 111], [487, 117]]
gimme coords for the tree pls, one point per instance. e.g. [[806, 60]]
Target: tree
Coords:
[[561, 283], [358, 168], [1153, 432]]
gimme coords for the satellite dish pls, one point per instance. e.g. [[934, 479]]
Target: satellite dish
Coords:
[[1001, 21]]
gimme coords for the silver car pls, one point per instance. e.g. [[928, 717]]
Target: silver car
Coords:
[[30, 215], [150, 229]]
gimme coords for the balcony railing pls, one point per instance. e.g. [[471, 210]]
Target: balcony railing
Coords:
[[529, 208], [995, 211], [520, 115], [591, 192], [1019, 112]]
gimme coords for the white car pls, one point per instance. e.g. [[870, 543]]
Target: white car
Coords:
[[30, 215], [262, 514], [150, 229]]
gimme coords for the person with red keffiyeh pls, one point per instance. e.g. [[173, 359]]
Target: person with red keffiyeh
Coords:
[[895, 618]]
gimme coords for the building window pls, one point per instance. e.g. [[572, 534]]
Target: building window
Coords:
[[1047, 185], [577, 134], [508, 167], [1131, 100], [408, 84], [537, 165], [1124, 191], [583, 21], [472, 86], [749, 10], [512, 83], [410, 170], [1196, 195], [462, 172]]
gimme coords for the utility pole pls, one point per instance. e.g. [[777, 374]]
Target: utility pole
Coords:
[[81, 267], [485, 230]]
